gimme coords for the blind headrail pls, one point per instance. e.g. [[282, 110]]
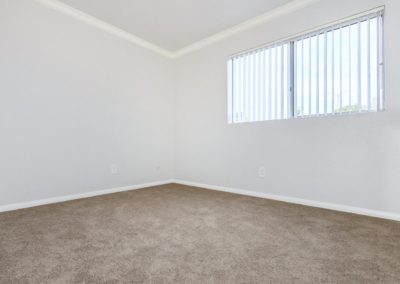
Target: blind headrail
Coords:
[[320, 29]]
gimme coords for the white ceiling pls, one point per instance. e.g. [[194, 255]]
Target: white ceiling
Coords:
[[174, 24]]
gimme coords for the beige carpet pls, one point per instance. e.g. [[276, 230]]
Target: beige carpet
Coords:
[[180, 234]]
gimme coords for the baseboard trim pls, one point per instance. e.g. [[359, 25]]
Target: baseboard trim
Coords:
[[34, 203], [306, 202], [294, 200]]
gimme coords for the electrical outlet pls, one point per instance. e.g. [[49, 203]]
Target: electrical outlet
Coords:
[[114, 169], [262, 172]]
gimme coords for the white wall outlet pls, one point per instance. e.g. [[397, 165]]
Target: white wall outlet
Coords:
[[114, 169], [262, 172]]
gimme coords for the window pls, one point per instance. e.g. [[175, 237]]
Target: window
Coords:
[[331, 71]]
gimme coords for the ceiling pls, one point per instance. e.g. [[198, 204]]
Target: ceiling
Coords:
[[174, 24]]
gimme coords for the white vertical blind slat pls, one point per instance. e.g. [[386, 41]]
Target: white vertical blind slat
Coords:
[[359, 102], [231, 91], [369, 64], [259, 79], [295, 80], [325, 73], [309, 78], [255, 90], [282, 116], [350, 69], [270, 84], [378, 65], [242, 89], [289, 92], [264, 106], [302, 77], [341, 71], [333, 71], [317, 75], [276, 95]]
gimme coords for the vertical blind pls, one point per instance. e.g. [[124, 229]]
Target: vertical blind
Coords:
[[335, 70], [338, 70], [261, 84]]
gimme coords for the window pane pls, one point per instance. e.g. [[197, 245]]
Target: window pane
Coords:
[[338, 71], [260, 84]]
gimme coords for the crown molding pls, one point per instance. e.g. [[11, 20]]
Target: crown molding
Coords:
[[95, 22], [249, 24]]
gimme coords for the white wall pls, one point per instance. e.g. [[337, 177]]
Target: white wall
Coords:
[[73, 101], [352, 160]]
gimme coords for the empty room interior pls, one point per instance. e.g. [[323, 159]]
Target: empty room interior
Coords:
[[188, 141]]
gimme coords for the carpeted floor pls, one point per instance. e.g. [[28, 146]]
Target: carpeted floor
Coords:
[[180, 234]]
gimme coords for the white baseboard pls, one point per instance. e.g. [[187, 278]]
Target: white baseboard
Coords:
[[34, 203], [312, 203]]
